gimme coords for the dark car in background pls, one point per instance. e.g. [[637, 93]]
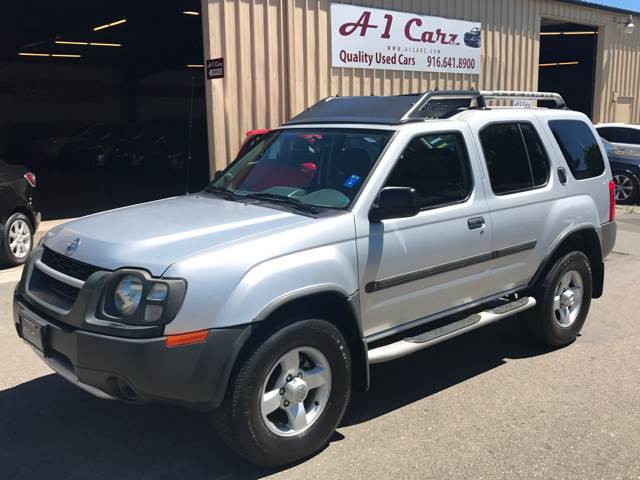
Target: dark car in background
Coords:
[[87, 149], [19, 216], [625, 167], [472, 38]]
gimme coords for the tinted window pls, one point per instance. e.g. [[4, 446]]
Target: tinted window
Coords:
[[515, 157], [612, 134], [629, 135], [537, 155], [437, 166], [579, 147]]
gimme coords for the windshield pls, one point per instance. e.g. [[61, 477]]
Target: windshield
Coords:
[[319, 167]]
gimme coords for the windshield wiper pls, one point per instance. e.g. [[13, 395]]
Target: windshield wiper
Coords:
[[221, 192], [274, 197]]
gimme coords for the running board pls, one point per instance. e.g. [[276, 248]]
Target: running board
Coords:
[[412, 344]]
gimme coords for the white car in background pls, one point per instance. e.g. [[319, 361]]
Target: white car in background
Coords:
[[621, 135]]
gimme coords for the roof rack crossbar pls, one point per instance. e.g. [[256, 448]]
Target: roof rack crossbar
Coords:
[[480, 96]]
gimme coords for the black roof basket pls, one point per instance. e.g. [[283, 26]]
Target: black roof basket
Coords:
[[393, 110]]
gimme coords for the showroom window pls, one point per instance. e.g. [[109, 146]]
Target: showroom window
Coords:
[[515, 157], [579, 147], [437, 166]]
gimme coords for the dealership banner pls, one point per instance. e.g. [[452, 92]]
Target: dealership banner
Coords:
[[363, 37]]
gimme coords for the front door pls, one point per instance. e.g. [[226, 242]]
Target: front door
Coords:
[[412, 268]]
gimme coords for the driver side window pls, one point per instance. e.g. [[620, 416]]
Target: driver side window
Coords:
[[437, 166]]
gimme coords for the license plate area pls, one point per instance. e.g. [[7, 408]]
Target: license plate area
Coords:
[[34, 333]]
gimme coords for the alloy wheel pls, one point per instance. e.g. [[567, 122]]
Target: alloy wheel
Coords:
[[623, 187], [567, 300], [19, 239], [296, 391]]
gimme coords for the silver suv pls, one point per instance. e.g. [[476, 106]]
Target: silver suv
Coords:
[[363, 230]]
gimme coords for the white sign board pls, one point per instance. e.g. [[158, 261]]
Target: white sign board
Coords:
[[364, 37]]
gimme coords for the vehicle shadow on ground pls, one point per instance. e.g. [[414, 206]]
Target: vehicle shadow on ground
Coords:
[[50, 429]]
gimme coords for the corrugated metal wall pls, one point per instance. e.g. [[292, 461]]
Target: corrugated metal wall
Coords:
[[278, 58]]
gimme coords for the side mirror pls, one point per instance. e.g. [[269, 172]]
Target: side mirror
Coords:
[[217, 175], [395, 202]]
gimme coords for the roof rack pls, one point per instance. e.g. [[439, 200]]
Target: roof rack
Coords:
[[442, 103], [394, 110]]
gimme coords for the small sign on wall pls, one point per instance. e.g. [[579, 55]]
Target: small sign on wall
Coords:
[[215, 68]]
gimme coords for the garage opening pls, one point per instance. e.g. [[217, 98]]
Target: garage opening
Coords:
[[567, 62], [104, 100]]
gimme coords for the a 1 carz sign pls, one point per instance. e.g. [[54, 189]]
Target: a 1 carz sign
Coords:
[[363, 37]]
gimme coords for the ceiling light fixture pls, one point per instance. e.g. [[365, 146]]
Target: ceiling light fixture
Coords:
[[191, 12], [93, 44], [558, 64], [68, 42], [112, 24], [100, 44], [194, 65], [56, 55], [567, 33]]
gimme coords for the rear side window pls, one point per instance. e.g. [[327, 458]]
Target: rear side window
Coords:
[[515, 157], [437, 166], [579, 147]]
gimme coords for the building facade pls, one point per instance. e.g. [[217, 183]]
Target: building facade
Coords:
[[277, 59]]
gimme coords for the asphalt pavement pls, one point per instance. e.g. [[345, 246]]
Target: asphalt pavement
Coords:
[[487, 405]]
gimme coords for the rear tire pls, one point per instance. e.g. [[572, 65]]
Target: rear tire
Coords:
[[564, 298], [17, 240], [263, 418]]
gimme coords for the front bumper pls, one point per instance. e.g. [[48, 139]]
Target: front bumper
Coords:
[[137, 370]]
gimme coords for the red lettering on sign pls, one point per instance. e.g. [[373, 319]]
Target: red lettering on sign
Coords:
[[363, 24], [428, 36]]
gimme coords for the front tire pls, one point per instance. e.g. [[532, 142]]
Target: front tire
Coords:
[[288, 396], [564, 298], [17, 240]]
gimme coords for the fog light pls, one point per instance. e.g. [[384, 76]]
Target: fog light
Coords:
[[152, 313]]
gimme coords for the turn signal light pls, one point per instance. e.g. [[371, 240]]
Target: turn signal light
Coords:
[[186, 338], [30, 178], [612, 201]]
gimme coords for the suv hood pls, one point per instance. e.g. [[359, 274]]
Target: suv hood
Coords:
[[154, 235]]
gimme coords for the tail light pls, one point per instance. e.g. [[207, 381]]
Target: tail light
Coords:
[[30, 177], [612, 200]]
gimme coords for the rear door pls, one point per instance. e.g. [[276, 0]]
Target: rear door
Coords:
[[523, 192], [576, 143]]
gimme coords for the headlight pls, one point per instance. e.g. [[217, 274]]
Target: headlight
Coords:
[[134, 297], [128, 294]]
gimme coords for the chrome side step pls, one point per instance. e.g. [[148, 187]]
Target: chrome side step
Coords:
[[409, 345]]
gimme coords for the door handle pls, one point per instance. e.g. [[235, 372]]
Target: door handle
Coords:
[[562, 175], [475, 222]]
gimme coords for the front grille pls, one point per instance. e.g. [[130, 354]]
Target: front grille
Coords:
[[63, 289], [68, 266]]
